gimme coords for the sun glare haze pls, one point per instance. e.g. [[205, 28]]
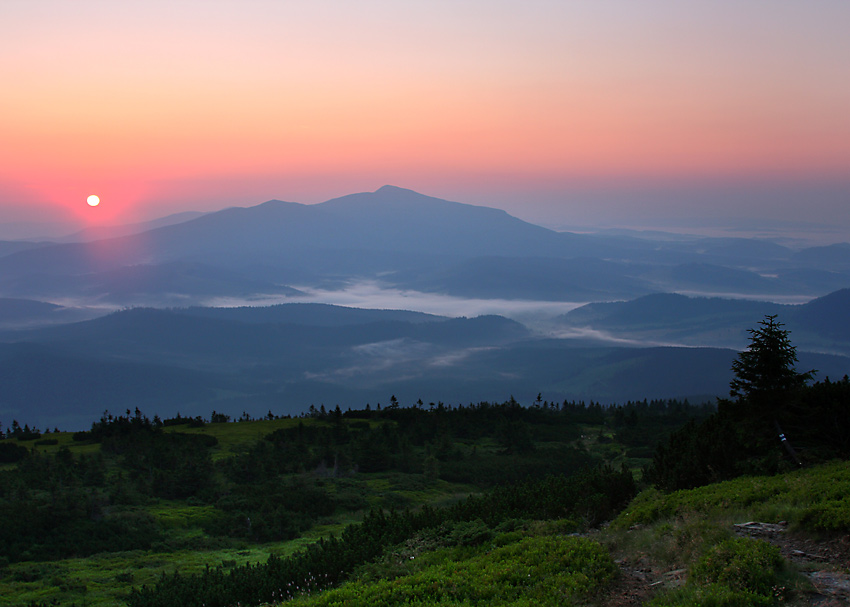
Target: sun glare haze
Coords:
[[555, 111]]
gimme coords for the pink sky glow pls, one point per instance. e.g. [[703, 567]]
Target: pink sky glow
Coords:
[[555, 111]]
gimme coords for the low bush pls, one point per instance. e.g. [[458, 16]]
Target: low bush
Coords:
[[11, 453], [829, 515], [738, 572], [713, 595], [813, 499], [545, 571], [741, 564]]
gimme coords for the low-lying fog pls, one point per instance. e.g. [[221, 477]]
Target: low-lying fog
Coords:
[[370, 294], [537, 315]]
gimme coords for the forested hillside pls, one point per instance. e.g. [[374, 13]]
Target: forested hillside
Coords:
[[101, 505], [217, 512]]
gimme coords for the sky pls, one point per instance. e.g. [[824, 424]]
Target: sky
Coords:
[[565, 113]]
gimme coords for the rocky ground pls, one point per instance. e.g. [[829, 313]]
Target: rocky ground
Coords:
[[824, 561]]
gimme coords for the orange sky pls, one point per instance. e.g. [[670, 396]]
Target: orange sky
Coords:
[[160, 107]]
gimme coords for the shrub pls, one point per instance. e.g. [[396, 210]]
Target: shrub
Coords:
[[11, 453], [467, 533], [539, 571], [714, 595], [831, 515], [739, 572], [741, 564]]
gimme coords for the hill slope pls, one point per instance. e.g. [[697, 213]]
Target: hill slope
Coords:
[[819, 325]]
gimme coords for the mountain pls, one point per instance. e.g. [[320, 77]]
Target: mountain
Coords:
[[668, 311], [45, 386], [287, 357], [7, 247], [104, 232], [403, 239], [831, 257], [731, 250], [12, 310], [22, 313], [311, 314], [826, 316], [194, 339], [233, 359], [165, 351], [358, 235], [714, 278], [820, 325]]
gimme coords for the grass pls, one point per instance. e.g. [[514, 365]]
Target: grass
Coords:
[[173, 514], [103, 579], [535, 564], [63, 439], [816, 499], [231, 436], [692, 530], [235, 436], [407, 490]]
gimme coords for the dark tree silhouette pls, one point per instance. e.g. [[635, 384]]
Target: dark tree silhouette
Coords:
[[766, 370], [747, 434], [766, 386]]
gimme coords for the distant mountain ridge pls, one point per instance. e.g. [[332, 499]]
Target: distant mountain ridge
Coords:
[[164, 350], [286, 357], [404, 239], [822, 324], [105, 232], [18, 313], [310, 314]]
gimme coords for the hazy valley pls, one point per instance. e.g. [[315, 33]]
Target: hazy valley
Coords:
[[495, 307], [389, 397]]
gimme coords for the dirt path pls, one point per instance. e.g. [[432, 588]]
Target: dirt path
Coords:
[[825, 562]]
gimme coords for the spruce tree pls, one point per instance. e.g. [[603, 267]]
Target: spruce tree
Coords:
[[766, 389], [766, 369]]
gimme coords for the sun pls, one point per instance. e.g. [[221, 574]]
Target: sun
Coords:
[[93, 200]]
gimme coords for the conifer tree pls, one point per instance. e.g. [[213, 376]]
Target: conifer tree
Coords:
[[766, 383], [766, 369]]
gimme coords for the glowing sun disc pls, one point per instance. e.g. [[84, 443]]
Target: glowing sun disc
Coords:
[[93, 200]]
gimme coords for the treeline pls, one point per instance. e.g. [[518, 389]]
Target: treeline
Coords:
[[587, 498], [809, 426], [54, 506], [462, 417], [442, 440], [773, 421], [68, 504]]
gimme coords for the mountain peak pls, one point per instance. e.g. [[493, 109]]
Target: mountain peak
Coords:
[[392, 189]]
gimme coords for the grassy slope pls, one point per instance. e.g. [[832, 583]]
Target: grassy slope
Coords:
[[102, 579], [688, 531], [815, 499], [669, 531], [693, 532]]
